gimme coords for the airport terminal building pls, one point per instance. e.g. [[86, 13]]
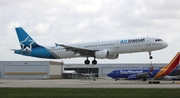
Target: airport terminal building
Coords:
[[50, 69]]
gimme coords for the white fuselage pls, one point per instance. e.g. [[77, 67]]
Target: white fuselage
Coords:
[[114, 47], [98, 50]]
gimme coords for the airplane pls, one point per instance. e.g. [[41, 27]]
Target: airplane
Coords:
[[144, 73], [99, 50]]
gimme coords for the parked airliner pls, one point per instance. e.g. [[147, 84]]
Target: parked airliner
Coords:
[[99, 50], [144, 73]]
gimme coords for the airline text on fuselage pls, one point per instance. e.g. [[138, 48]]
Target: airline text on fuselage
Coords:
[[131, 71], [126, 41]]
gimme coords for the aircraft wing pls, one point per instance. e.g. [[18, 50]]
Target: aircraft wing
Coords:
[[146, 74], [143, 75], [81, 51]]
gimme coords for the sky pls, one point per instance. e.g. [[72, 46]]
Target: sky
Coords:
[[76, 21]]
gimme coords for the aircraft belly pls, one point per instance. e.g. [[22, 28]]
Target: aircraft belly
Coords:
[[65, 54], [131, 48], [123, 76]]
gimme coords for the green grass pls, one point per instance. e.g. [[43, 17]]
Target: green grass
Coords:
[[88, 93]]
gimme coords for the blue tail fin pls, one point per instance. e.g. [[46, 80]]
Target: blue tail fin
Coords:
[[26, 42]]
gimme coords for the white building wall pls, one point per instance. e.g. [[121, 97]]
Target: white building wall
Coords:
[[24, 69], [56, 69]]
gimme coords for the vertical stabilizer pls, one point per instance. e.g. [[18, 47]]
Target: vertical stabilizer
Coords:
[[170, 67], [26, 42]]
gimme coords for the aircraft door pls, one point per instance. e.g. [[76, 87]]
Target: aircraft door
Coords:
[[148, 41], [148, 44], [117, 45], [117, 72]]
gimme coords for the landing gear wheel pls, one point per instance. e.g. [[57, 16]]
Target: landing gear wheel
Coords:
[[150, 57], [86, 62], [94, 62], [144, 79]]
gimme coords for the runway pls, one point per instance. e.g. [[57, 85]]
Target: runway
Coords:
[[80, 83]]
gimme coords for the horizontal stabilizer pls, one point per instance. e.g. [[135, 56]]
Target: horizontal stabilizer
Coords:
[[13, 49]]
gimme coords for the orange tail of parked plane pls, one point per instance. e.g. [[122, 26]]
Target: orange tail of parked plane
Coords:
[[170, 67]]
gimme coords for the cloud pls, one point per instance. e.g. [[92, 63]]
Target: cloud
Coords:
[[42, 28], [77, 21]]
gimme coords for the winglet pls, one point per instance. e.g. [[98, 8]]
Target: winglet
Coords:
[[56, 44]]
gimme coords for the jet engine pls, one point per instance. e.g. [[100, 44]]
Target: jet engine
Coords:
[[113, 56], [105, 54], [132, 77]]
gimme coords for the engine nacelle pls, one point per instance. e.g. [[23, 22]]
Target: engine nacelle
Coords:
[[113, 56], [132, 77], [101, 54], [105, 54]]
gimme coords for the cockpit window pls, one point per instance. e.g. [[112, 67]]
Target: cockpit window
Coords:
[[157, 40]]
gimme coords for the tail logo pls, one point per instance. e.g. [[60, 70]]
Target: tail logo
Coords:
[[170, 67], [151, 69], [26, 45]]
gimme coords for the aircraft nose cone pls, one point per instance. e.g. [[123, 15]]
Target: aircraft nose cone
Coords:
[[165, 44], [109, 74]]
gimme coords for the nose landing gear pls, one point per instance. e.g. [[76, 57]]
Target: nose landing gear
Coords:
[[150, 57]]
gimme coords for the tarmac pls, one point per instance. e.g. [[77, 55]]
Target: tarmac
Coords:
[[83, 83]]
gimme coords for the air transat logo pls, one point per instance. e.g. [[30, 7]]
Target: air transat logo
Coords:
[[26, 45], [127, 41]]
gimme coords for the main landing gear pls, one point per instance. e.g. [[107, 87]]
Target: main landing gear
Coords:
[[87, 62], [144, 79], [150, 57], [94, 62]]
